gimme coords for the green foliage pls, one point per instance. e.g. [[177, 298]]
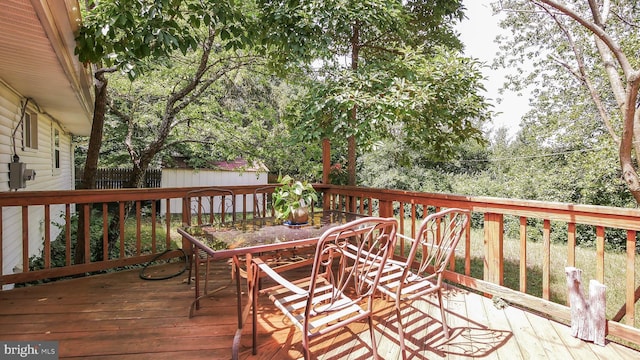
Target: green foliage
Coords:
[[291, 195], [237, 116], [298, 32], [434, 99], [96, 228], [404, 69], [579, 86], [58, 246], [124, 33]]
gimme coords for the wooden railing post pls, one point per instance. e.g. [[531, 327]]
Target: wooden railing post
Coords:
[[493, 248], [386, 208]]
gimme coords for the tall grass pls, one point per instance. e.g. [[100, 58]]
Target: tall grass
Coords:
[[615, 269]]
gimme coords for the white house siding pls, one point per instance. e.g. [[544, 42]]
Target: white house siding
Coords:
[[47, 177], [212, 178]]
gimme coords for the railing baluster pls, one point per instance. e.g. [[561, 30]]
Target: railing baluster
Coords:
[[467, 250], [401, 230], [138, 228], [494, 240], [87, 232], [413, 220], [571, 245], [25, 239], [523, 254], [631, 291], [154, 248], [121, 211], [67, 234], [47, 237], [546, 260], [600, 254], [168, 224], [105, 231]]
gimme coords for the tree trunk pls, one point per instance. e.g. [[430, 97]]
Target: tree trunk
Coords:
[[629, 173], [93, 153], [351, 141], [588, 320], [626, 140], [625, 90]]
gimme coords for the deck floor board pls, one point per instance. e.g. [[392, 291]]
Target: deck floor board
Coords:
[[120, 316]]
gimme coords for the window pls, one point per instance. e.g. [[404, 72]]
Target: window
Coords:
[[56, 148], [30, 130]]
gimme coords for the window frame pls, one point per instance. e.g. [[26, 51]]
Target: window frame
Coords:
[[55, 149], [30, 130]]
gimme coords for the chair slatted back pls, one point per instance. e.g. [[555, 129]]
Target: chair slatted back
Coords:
[[437, 239], [349, 257], [208, 203]]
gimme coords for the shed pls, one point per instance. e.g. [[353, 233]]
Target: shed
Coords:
[[216, 174]]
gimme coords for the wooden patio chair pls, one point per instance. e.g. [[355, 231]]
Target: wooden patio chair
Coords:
[[346, 267], [422, 271]]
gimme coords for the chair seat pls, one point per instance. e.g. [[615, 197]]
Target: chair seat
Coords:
[[324, 316], [414, 284]]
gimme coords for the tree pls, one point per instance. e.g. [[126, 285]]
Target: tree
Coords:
[[183, 107], [430, 109], [234, 110], [121, 35], [389, 48], [595, 44]]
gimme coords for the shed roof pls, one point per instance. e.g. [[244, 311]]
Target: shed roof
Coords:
[[238, 164]]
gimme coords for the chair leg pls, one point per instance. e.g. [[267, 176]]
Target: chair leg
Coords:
[[445, 327], [400, 332], [254, 311], [305, 346], [206, 276], [196, 264], [372, 332], [190, 259]]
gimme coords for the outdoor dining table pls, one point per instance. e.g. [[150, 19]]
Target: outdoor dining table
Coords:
[[285, 246]]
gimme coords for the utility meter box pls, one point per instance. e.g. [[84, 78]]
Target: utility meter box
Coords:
[[16, 178], [19, 174]]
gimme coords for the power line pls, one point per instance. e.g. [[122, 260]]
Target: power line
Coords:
[[534, 156]]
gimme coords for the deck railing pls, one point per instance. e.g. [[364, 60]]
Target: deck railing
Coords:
[[162, 209], [409, 207], [53, 215]]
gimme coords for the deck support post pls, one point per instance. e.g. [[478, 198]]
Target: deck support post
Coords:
[[493, 248]]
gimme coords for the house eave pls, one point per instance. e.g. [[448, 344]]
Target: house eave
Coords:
[[39, 62]]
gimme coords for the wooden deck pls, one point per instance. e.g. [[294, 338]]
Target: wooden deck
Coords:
[[120, 316]]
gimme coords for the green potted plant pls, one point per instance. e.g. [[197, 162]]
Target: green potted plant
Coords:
[[291, 200]]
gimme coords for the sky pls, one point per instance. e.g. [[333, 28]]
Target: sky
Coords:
[[478, 33]]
